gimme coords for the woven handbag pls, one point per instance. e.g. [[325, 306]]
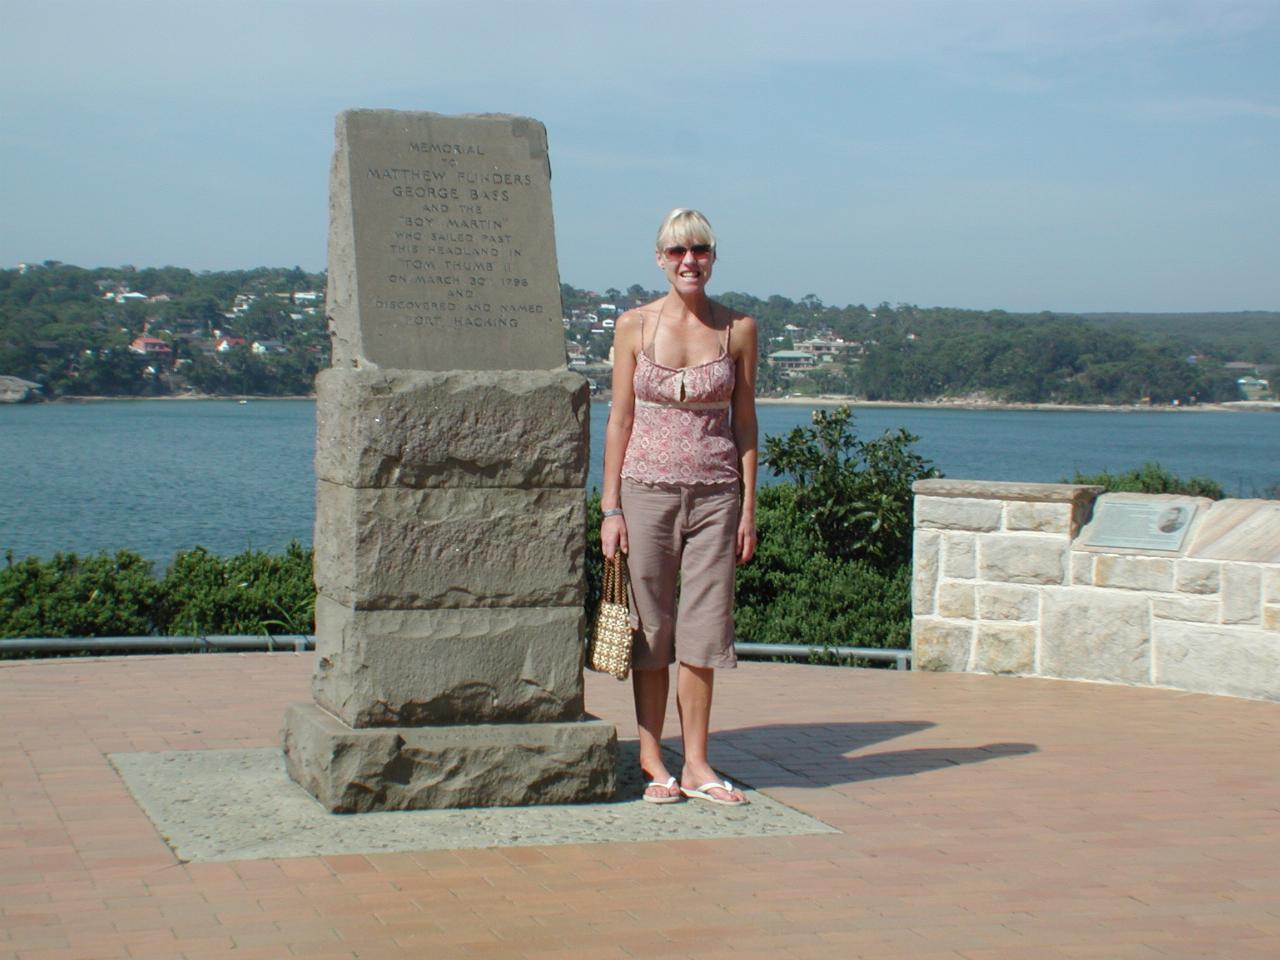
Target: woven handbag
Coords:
[[610, 648]]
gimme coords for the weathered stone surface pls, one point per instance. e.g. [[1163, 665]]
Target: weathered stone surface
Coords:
[[1005, 648], [1191, 609], [955, 600], [1271, 616], [1271, 584], [1038, 517], [485, 295], [1000, 601], [476, 429], [959, 555], [940, 644], [449, 547], [1241, 593], [1197, 576], [945, 513], [1002, 490], [450, 457], [1024, 558], [1092, 634], [1134, 573], [1238, 661], [1238, 530], [415, 768], [473, 665], [17, 390], [1081, 568], [924, 571]]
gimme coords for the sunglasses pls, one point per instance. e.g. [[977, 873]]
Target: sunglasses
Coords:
[[700, 251]]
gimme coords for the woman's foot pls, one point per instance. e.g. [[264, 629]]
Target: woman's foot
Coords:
[[705, 784], [662, 788]]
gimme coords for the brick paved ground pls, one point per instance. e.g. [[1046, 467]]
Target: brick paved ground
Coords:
[[983, 818]]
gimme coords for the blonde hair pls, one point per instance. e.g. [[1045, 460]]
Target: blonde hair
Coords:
[[684, 226]]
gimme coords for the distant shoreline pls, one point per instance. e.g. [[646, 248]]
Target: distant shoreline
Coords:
[[1236, 406], [182, 396]]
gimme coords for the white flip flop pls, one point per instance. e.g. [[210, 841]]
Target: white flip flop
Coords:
[[701, 793], [671, 782]]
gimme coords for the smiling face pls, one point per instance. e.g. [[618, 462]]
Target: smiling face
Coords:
[[687, 265], [686, 251]]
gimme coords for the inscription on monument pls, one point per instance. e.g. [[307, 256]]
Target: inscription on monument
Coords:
[[1140, 526], [454, 242]]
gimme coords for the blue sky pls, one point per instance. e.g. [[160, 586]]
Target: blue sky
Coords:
[[1049, 155]]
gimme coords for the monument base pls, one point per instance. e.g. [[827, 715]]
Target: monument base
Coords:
[[363, 770]]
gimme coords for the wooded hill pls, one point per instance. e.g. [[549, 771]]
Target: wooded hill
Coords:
[[259, 331]]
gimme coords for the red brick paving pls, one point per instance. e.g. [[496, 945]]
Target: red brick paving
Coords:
[[984, 819]]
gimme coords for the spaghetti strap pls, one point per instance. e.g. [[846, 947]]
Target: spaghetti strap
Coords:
[[652, 348]]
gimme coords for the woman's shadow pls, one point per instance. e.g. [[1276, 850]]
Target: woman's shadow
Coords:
[[818, 754]]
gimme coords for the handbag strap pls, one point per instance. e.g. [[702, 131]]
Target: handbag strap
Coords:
[[614, 589]]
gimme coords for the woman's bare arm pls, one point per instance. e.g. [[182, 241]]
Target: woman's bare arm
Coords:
[[745, 354], [617, 433]]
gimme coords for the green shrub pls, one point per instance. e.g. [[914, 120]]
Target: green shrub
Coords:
[[105, 596], [857, 493], [795, 592], [75, 596], [1151, 478], [252, 592], [595, 559]]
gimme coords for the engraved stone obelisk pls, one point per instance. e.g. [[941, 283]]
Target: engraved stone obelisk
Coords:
[[451, 453]]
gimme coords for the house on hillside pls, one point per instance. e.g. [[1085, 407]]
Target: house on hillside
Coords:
[[789, 360], [151, 347]]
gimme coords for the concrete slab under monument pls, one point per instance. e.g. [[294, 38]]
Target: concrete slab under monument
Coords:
[[240, 804]]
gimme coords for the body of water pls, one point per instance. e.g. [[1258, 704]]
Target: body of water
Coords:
[[156, 477]]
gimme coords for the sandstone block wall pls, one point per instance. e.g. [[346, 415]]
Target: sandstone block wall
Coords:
[[1005, 582]]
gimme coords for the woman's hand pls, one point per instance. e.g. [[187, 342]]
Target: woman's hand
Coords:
[[613, 536], [746, 548]]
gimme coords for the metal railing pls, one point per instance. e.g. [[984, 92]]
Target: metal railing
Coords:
[[296, 643], [299, 643], [899, 658]]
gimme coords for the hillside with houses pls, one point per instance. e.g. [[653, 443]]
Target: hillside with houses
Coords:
[[68, 331]]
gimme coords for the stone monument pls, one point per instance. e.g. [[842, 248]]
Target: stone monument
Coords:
[[451, 453]]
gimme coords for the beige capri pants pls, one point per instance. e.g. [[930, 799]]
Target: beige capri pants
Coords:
[[685, 535]]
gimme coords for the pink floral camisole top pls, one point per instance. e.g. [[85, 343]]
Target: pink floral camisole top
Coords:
[[681, 433]]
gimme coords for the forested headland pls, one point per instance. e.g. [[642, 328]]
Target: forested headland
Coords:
[[125, 332]]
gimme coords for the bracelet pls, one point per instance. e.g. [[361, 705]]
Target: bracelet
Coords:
[[612, 512]]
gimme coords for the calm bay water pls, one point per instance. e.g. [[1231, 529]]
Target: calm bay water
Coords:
[[156, 477]]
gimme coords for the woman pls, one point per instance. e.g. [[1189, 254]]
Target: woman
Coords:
[[679, 496]]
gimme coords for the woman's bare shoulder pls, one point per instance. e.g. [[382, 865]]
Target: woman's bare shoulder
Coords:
[[741, 323], [634, 319]]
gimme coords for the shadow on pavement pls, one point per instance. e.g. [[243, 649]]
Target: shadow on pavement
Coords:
[[818, 754]]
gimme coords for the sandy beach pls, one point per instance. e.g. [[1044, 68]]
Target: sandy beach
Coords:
[[828, 400]]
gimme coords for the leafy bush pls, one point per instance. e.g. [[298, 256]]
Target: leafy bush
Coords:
[[1151, 478], [252, 592], [74, 596], [595, 559], [105, 596], [795, 592], [857, 493]]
